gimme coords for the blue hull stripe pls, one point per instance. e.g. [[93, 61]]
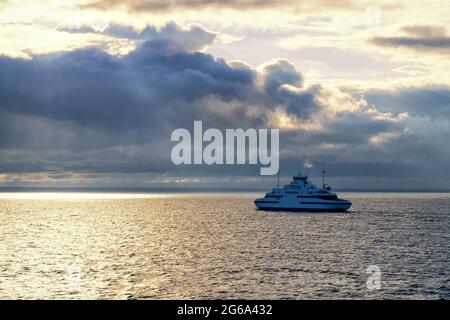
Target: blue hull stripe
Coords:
[[302, 209]]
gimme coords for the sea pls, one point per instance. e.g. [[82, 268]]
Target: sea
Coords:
[[217, 245]]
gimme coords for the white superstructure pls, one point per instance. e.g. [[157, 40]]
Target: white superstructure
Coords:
[[302, 195]]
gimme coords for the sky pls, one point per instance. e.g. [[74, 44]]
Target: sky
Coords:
[[91, 90]]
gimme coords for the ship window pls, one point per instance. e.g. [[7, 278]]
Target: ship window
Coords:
[[330, 197]]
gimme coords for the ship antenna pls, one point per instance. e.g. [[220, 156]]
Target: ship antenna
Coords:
[[323, 179]]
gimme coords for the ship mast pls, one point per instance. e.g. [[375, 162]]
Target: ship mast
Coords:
[[323, 179], [278, 175]]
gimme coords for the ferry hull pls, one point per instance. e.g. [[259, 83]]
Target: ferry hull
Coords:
[[301, 209], [342, 207]]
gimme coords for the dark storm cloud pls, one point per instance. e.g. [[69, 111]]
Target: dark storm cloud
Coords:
[[430, 38], [94, 89], [279, 72], [87, 111], [353, 128], [301, 103], [432, 101], [93, 111]]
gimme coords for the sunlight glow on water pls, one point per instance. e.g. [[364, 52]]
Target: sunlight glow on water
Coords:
[[122, 246], [73, 196], [101, 195]]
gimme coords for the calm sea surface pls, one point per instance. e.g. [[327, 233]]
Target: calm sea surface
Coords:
[[103, 246]]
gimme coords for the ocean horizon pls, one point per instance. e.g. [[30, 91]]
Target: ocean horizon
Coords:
[[118, 189]]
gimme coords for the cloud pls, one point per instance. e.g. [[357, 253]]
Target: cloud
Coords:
[[418, 38], [278, 72], [171, 5], [89, 113], [430, 101], [414, 43], [174, 36], [426, 31]]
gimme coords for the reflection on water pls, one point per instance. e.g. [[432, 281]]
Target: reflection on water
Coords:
[[125, 246], [75, 196]]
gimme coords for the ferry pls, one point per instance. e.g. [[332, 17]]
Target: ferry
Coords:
[[302, 195]]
